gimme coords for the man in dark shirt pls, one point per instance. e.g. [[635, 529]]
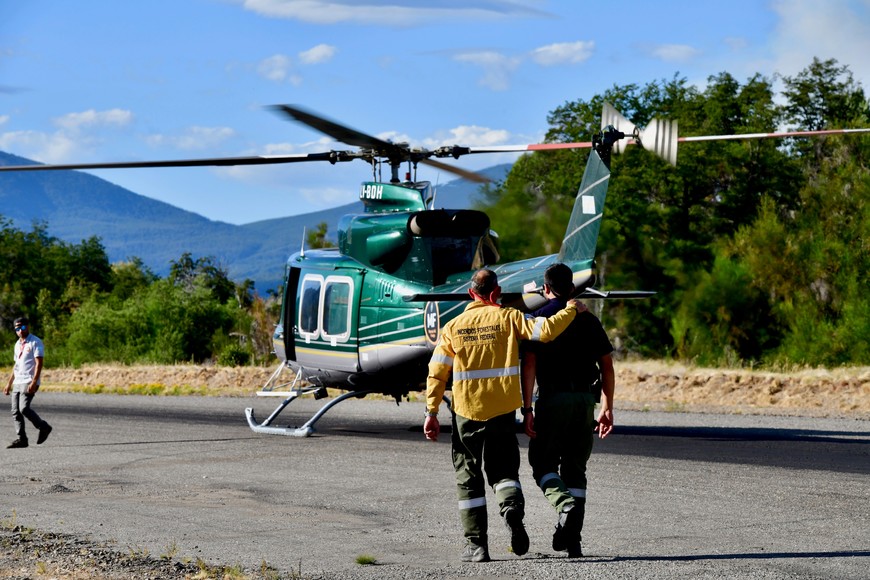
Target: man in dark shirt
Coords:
[[570, 371]]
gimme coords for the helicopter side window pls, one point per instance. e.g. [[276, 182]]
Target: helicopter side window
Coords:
[[309, 306], [337, 307]]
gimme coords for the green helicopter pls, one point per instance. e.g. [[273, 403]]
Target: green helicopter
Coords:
[[364, 317]]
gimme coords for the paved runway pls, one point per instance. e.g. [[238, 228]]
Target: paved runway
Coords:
[[671, 495]]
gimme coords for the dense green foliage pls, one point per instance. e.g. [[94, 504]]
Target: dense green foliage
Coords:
[[757, 248], [89, 311]]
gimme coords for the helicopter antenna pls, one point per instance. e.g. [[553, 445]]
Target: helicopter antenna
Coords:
[[435, 191]]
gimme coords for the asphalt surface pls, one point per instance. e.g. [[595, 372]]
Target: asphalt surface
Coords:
[[671, 495]]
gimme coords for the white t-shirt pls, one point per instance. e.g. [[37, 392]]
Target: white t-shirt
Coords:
[[26, 354]]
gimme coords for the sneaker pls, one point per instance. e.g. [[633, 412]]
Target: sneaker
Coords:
[[18, 443], [474, 553], [513, 519], [43, 434], [567, 530], [575, 551]]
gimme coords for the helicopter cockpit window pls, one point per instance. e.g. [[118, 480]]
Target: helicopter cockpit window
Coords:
[[309, 306], [336, 308]]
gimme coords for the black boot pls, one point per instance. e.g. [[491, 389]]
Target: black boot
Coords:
[[513, 519], [567, 534], [43, 434], [18, 443]]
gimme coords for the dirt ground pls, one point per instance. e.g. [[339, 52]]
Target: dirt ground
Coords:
[[640, 385]]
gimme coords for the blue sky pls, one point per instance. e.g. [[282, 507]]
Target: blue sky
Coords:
[[99, 80]]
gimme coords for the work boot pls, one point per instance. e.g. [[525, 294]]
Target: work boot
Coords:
[[474, 553], [18, 443], [513, 519], [43, 434], [575, 551], [567, 533]]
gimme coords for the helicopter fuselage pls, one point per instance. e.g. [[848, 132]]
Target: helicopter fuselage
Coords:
[[350, 318]]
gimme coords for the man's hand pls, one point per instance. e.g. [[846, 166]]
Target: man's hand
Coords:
[[580, 306], [605, 423], [6, 390], [529, 425], [32, 388], [431, 428]]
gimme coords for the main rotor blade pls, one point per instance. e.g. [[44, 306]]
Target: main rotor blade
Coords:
[[336, 131], [351, 136], [211, 162]]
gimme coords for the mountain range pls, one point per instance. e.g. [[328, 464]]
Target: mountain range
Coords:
[[75, 206]]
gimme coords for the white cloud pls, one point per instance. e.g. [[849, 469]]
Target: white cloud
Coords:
[[92, 118], [318, 55], [837, 29], [323, 196], [54, 147], [497, 68], [4, 119], [563, 53], [193, 138], [394, 137], [74, 140], [276, 68], [736, 42], [393, 13], [472, 136], [674, 52], [316, 146]]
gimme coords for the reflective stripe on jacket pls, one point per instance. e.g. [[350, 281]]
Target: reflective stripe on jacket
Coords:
[[481, 348]]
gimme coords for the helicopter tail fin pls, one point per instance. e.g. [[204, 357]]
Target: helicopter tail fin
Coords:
[[581, 237]]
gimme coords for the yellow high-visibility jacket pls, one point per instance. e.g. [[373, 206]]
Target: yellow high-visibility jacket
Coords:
[[481, 348]]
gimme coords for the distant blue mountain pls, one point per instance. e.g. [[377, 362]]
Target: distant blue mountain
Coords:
[[77, 205]]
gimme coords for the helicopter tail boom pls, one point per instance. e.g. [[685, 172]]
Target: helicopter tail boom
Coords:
[[581, 236]]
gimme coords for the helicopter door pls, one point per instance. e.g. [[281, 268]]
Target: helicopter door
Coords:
[[326, 323]]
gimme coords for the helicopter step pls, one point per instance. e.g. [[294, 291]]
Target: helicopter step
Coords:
[[271, 389]]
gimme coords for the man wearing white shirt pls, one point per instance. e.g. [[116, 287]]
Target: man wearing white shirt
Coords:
[[29, 353]]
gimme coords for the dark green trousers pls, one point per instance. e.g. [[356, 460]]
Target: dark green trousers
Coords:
[[563, 445], [490, 449]]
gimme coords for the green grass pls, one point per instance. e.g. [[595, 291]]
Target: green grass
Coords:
[[366, 560]]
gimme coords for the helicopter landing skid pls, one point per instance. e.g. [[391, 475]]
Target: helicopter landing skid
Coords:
[[308, 428]]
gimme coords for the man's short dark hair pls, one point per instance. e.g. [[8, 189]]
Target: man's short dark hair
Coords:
[[560, 279], [484, 282], [21, 321]]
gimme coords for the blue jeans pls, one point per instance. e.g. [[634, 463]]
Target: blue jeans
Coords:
[[20, 410]]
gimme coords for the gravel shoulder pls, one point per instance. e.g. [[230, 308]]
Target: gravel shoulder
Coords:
[[650, 385]]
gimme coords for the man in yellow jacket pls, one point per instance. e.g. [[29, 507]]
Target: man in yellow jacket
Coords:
[[481, 348]]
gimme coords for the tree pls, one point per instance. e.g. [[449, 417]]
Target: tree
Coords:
[[316, 238], [188, 273], [732, 230], [44, 278], [130, 277], [824, 95]]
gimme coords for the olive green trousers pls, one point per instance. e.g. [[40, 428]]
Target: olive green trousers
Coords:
[[490, 449], [562, 447]]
